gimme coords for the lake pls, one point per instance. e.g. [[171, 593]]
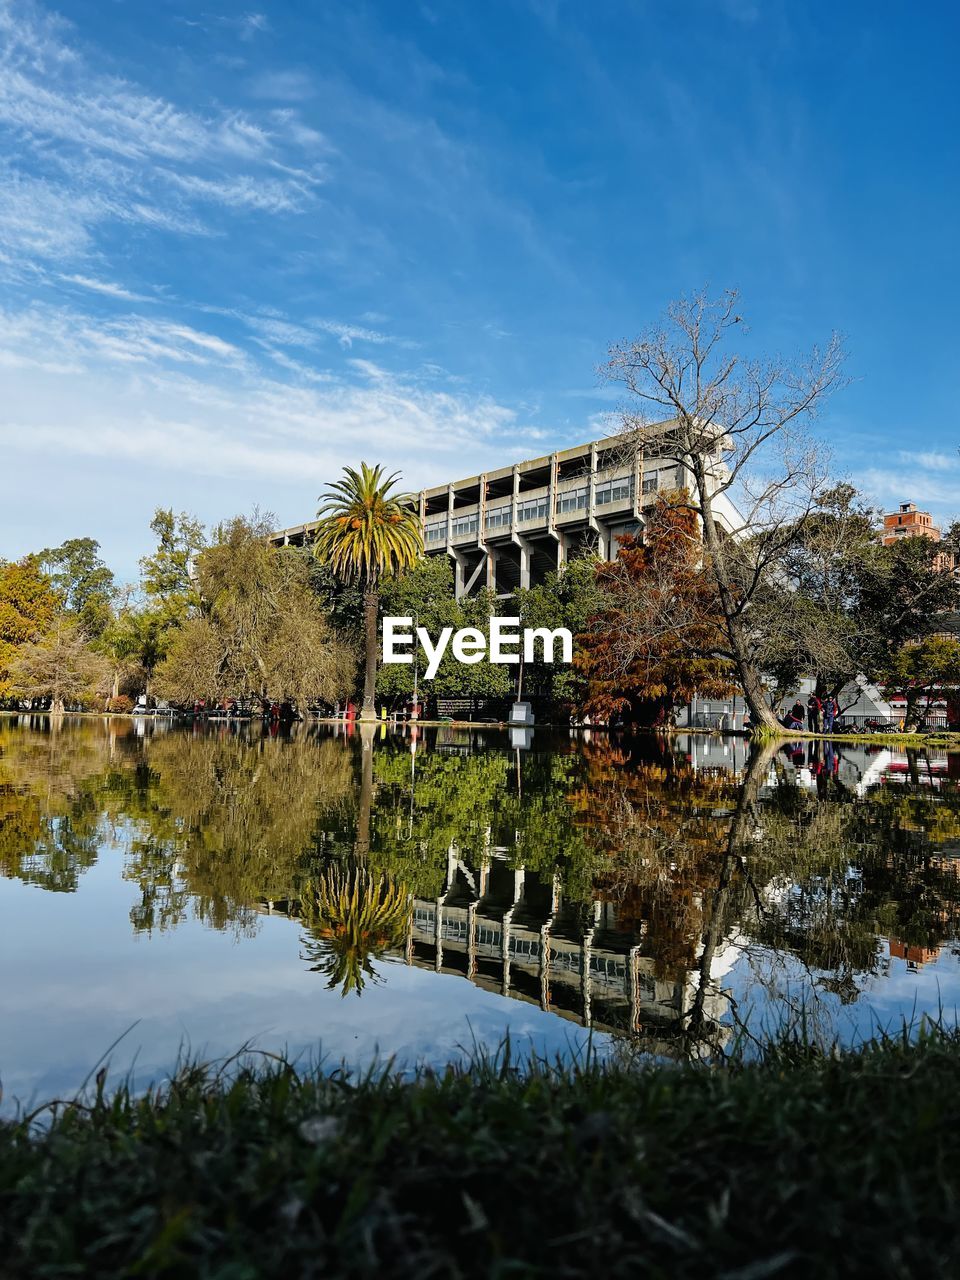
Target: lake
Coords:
[[184, 890]]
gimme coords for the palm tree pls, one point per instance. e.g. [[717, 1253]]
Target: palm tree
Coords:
[[353, 916], [364, 532]]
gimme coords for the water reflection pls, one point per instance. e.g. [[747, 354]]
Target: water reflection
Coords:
[[671, 893]]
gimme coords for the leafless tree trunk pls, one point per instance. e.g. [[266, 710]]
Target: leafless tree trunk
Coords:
[[722, 418]]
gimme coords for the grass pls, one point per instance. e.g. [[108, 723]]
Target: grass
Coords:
[[803, 1164]]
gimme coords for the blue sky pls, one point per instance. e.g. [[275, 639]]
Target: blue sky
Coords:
[[240, 247]]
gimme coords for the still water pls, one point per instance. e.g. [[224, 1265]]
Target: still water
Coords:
[[190, 889]]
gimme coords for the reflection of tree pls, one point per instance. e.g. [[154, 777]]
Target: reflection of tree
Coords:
[[51, 816], [353, 916], [216, 823], [471, 803], [223, 822], [660, 828]]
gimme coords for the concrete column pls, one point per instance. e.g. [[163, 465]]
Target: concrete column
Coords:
[[563, 547], [449, 513], [552, 493], [491, 570], [438, 934], [423, 505], [459, 572], [513, 500], [592, 495], [526, 555]]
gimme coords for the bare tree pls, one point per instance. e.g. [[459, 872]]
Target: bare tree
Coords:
[[738, 428]]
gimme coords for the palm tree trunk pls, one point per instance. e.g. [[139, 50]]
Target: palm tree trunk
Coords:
[[371, 607]]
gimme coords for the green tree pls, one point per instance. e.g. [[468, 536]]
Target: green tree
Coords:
[[569, 599], [168, 575], [28, 606], [261, 632], [366, 531], [83, 581], [842, 604], [425, 593], [920, 669]]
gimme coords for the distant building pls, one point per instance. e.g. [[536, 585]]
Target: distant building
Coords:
[[908, 522], [512, 525]]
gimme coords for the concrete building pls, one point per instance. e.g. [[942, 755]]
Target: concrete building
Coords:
[[508, 527]]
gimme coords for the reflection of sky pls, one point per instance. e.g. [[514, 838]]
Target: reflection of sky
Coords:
[[76, 976], [770, 988]]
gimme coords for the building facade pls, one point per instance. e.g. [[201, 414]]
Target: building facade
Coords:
[[908, 522], [510, 526]]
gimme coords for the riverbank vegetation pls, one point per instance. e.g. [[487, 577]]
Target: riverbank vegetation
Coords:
[[804, 1163]]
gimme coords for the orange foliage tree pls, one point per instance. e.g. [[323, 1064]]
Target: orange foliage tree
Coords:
[[659, 638]]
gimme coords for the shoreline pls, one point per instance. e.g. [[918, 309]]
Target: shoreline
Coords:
[[939, 738]]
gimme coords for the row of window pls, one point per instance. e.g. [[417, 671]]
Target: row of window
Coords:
[[568, 500]]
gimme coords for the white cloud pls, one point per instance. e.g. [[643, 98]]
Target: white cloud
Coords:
[[84, 149], [106, 287], [931, 461], [135, 388]]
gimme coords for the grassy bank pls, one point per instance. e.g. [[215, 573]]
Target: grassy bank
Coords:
[[799, 1166]]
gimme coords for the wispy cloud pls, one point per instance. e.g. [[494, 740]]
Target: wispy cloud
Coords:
[[188, 400], [85, 149], [106, 287], [931, 461]]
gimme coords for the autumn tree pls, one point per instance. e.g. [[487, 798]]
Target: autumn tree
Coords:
[[736, 425], [61, 666], [658, 637], [28, 607]]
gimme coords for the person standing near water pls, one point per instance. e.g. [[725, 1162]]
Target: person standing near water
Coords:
[[814, 708]]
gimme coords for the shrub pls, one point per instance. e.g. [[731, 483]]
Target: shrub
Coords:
[[121, 705]]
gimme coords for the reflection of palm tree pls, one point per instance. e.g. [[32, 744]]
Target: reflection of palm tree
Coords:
[[353, 916]]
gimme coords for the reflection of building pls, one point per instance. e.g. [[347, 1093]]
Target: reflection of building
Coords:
[[916, 957], [506, 930], [508, 527]]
